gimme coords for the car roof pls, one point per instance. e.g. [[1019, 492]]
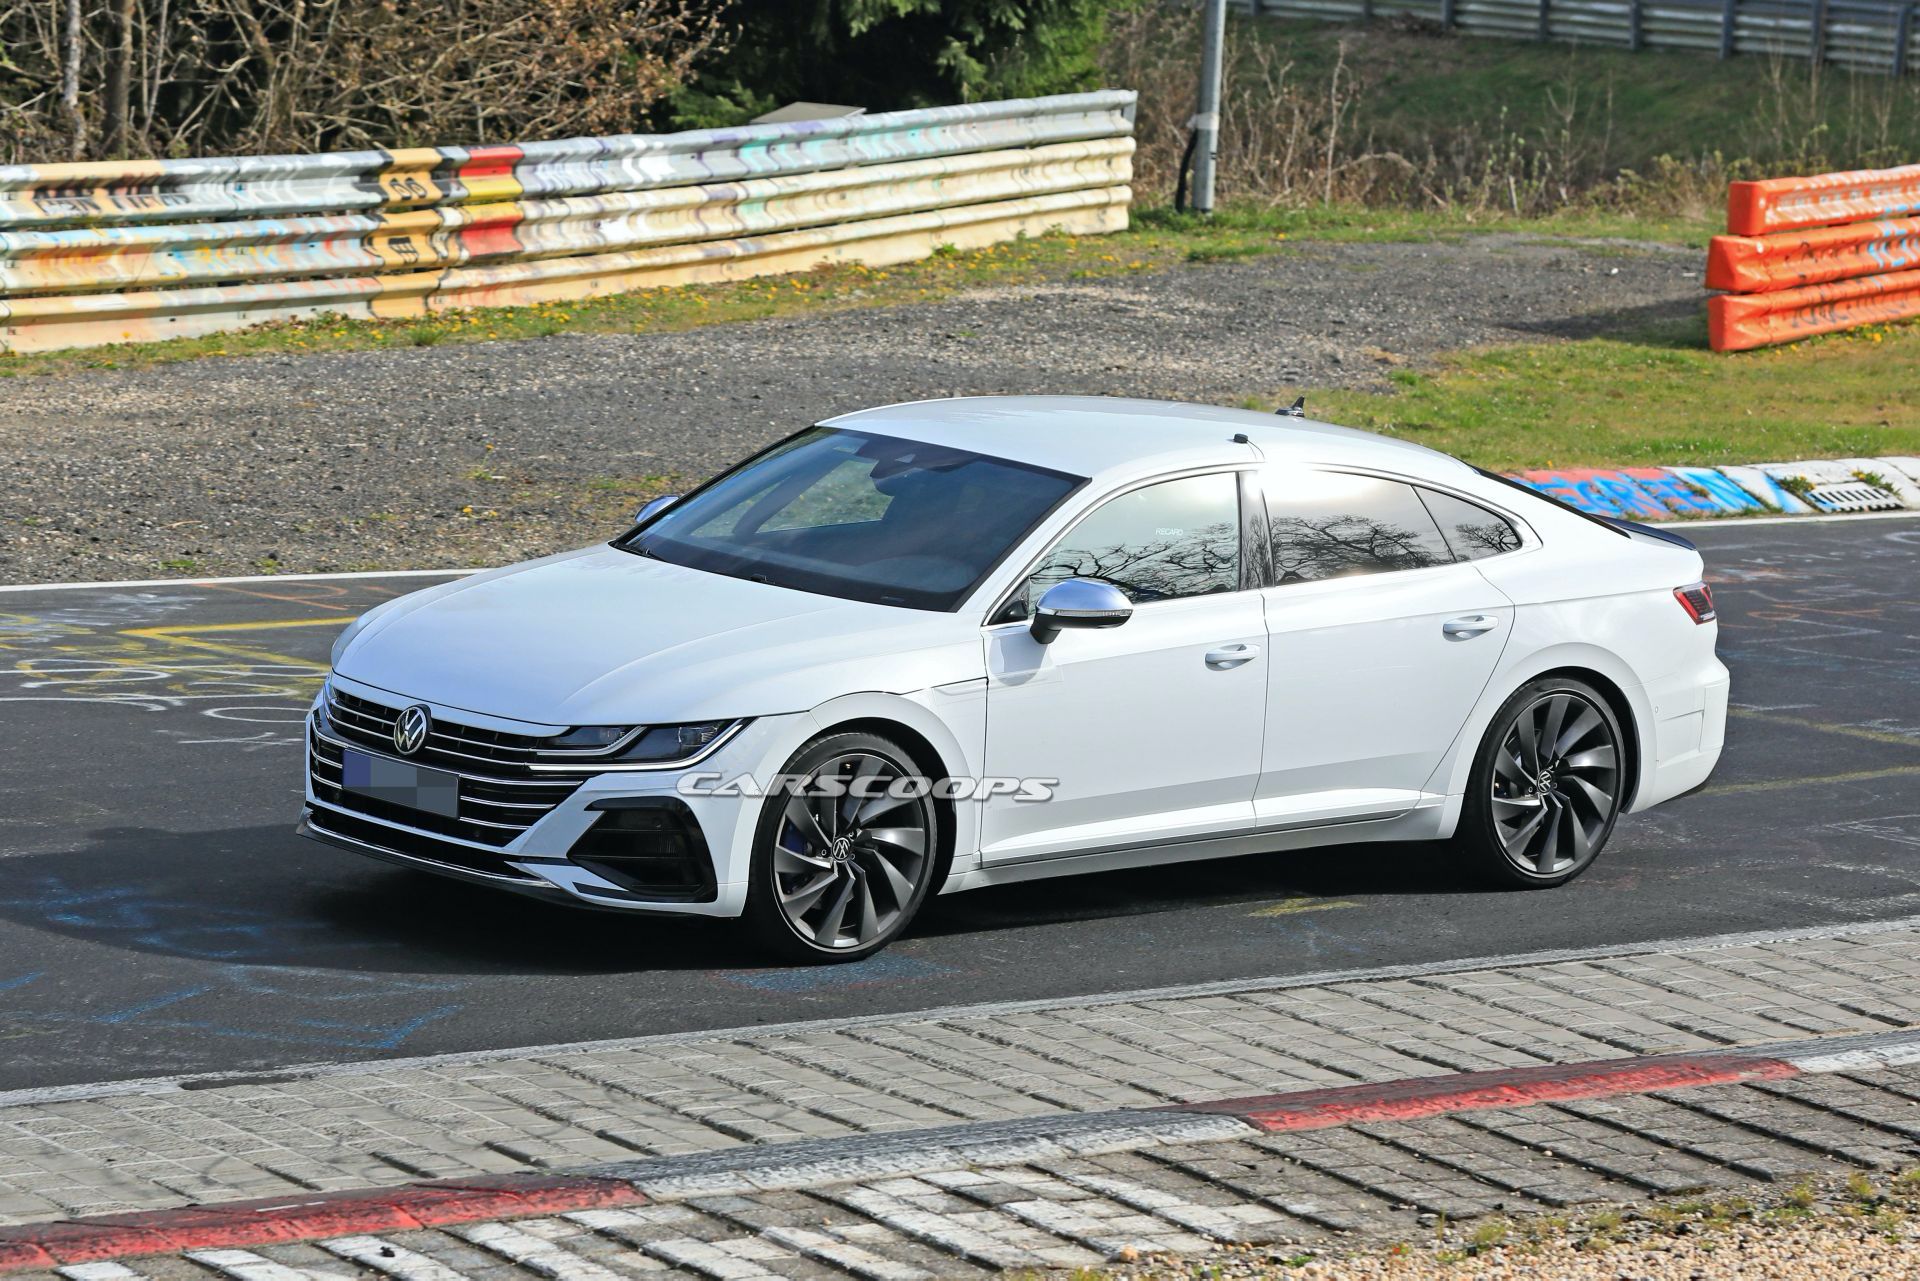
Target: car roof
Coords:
[[1091, 435]]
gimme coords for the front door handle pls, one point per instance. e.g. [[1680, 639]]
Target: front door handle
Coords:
[[1470, 626], [1228, 657]]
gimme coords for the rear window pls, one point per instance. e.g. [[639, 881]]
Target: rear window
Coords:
[[1531, 492]]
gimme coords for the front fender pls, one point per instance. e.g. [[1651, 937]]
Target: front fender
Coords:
[[951, 718]]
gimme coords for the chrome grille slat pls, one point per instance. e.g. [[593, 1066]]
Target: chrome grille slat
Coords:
[[385, 748], [505, 827], [379, 726], [446, 739], [505, 805]]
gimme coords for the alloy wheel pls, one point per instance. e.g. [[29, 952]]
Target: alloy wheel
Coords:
[[845, 868], [1556, 784]]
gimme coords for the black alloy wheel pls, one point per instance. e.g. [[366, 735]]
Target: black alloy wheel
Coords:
[[1547, 786], [841, 864]]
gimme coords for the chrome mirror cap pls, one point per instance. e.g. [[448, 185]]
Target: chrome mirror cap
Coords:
[[1079, 602], [654, 507]]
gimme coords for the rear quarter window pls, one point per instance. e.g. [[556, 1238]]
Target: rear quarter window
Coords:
[[1472, 532]]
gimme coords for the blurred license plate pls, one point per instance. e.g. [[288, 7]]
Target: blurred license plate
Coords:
[[434, 790]]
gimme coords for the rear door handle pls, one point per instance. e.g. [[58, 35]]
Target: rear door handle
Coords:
[[1470, 626], [1228, 657]]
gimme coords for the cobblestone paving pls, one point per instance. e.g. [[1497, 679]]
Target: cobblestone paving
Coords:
[[158, 1146], [1286, 1193]]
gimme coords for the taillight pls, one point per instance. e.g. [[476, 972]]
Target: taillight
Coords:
[[1697, 600]]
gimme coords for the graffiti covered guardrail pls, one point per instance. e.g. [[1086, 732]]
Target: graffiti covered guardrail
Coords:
[[1791, 273], [1803, 488], [118, 252]]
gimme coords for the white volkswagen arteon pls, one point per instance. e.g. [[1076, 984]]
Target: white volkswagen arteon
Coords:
[[944, 645]]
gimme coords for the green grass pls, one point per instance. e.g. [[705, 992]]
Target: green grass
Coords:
[[1648, 399], [1158, 239]]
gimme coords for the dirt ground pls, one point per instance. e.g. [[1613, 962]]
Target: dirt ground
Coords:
[[465, 455]]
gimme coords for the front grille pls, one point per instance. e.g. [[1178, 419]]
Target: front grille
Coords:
[[450, 745], [500, 797]]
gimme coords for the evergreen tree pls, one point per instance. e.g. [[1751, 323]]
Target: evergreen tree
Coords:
[[890, 54]]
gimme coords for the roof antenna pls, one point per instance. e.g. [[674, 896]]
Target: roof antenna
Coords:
[[1298, 409]]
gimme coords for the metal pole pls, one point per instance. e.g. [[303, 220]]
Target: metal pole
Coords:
[[1206, 119]]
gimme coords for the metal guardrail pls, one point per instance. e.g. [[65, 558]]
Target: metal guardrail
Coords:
[[1864, 35], [102, 253]]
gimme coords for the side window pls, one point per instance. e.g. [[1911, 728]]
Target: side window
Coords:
[[1472, 531], [1332, 524], [1176, 538]]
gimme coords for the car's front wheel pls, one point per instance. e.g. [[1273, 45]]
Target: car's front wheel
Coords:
[[843, 860], [1546, 787]]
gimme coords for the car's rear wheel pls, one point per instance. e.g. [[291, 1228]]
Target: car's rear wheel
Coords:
[[838, 877], [1548, 783]]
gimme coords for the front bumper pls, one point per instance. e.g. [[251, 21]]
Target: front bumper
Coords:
[[560, 856]]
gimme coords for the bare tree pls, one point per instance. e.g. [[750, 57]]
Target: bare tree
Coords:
[[70, 82], [182, 77], [119, 78]]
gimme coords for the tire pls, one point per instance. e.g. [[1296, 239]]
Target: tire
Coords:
[[822, 887], [1536, 815]]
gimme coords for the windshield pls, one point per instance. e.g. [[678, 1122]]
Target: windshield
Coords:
[[864, 517]]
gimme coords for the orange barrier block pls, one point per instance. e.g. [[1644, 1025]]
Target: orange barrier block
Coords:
[[1783, 204], [1737, 322], [1790, 260]]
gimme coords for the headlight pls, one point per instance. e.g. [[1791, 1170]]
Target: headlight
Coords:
[[602, 745], [673, 742]]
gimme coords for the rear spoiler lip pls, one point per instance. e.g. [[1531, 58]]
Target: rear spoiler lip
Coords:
[[1652, 531]]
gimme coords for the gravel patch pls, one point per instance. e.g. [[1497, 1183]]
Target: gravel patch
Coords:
[[459, 455], [1814, 1232]]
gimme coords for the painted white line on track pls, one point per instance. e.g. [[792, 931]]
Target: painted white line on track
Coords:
[[1712, 522], [1719, 522], [248, 578], [987, 1009]]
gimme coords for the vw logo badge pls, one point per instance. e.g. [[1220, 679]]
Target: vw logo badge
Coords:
[[410, 731]]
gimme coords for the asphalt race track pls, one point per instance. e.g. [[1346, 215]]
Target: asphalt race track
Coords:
[[157, 914]]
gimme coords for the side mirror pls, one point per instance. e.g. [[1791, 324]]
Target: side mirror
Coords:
[[654, 507], [1078, 602]]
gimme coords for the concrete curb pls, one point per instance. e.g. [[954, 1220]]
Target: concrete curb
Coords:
[[772, 1167]]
